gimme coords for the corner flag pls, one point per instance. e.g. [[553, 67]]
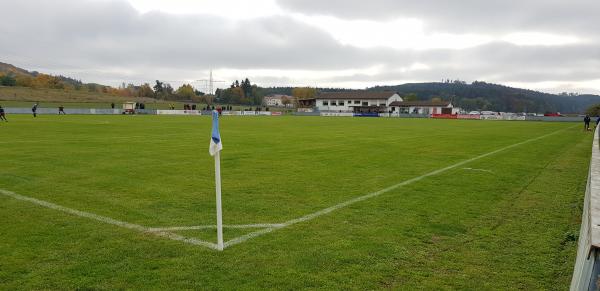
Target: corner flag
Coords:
[[215, 140], [214, 149]]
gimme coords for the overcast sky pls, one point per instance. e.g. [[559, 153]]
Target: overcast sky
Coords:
[[547, 45]]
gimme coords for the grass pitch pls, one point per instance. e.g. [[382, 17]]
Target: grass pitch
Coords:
[[504, 221]]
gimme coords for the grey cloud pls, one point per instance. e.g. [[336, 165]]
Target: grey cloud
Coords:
[[91, 33], [465, 16], [495, 62], [109, 41]]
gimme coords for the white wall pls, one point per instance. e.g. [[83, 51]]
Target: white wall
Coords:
[[394, 98], [348, 107]]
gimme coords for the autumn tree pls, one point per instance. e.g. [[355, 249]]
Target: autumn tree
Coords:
[[207, 99], [593, 110], [304, 92], [285, 101], [185, 92], [24, 81], [145, 91]]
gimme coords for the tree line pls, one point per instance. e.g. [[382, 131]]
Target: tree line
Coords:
[[487, 96]]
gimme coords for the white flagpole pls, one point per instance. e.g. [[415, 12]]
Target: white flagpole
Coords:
[[219, 211]]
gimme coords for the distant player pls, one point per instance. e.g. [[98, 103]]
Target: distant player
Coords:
[[61, 110], [34, 109], [586, 121], [2, 114]]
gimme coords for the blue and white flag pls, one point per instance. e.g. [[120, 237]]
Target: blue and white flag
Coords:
[[215, 140]]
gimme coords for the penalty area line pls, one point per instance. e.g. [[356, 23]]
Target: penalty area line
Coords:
[[344, 204], [108, 220]]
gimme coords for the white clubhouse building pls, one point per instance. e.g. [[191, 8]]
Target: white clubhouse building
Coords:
[[375, 102], [355, 101]]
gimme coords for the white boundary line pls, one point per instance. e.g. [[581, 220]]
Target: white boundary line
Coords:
[[266, 227], [108, 220], [478, 170], [199, 227], [377, 193]]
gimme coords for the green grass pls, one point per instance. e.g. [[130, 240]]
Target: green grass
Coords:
[[460, 229]]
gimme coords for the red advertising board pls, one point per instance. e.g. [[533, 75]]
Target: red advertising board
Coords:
[[446, 116]]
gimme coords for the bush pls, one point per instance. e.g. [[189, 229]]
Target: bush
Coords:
[[593, 110], [8, 80]]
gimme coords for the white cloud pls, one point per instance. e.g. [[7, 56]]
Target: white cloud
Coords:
[[231, 9], [402, 33], [538, 38]]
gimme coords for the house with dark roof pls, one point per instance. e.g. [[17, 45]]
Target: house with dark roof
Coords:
[[279, 100], [356, 101], [423, 107]]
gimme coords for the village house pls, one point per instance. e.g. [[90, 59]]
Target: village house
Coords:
[[279, 100]]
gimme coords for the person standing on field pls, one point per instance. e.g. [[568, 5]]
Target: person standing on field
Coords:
[[2, 114], [586, 121], [34, 109], [61, 110]]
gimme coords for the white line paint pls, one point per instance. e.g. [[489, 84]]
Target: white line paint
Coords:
[[200, 227], [108, 220], [377, 193], [248, 236], [478, 170]]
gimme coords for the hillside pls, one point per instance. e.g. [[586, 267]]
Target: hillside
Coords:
[[59, 95], [20, 85], [10, 69], [487, 96]]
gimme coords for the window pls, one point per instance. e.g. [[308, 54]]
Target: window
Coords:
[[365, 103], [341, 103], [356, 102], [349, 102], [333, 103], [325, 103]]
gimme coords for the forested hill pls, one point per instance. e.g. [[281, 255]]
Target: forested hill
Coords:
[[8, 69], [487, 96]]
